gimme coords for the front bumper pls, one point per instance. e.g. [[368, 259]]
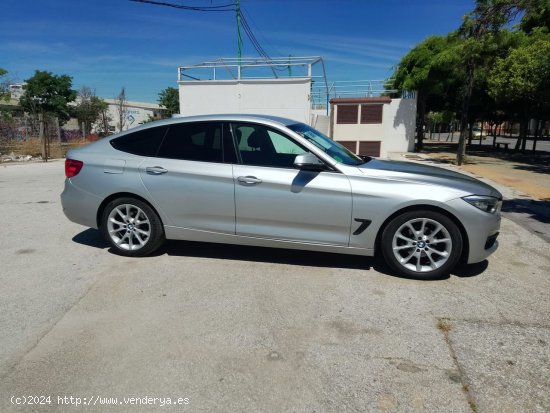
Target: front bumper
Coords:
[[481, 228]]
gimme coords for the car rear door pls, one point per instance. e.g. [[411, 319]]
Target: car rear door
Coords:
[[190, 180]]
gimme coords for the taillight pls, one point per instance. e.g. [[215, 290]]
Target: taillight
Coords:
[[72, 167]]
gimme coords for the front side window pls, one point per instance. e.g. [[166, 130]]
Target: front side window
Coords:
[[263, 146], [201, 141], [331, 148]]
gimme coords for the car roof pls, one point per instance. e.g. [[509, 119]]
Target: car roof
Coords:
[[237, 117]]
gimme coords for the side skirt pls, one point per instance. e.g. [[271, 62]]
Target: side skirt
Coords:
[[185, 234]]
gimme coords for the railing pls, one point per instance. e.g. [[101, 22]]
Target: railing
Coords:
[[255, 68]]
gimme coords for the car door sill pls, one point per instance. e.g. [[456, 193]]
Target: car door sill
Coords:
[[187, 234]]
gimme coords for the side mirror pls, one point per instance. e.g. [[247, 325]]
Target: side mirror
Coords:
[[308, 162]]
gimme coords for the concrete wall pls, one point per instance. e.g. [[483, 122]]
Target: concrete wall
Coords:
[[279, 97], [320, 121], [396, 132]]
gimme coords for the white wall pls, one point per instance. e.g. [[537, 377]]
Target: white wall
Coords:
[[320, 121], [399, 126], [279, 97], [134, 115]]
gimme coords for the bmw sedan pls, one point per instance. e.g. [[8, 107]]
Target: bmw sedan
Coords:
[[274, 182]]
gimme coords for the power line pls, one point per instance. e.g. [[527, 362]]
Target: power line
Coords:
[[224, 7], [255, 26], [241, 21]]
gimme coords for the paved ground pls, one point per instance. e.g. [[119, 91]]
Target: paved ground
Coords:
[[248, 329]]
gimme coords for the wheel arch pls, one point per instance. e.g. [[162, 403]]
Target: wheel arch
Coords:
[[117, 195], [427, 207]]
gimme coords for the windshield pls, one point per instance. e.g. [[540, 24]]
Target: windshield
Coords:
[[327, 145]]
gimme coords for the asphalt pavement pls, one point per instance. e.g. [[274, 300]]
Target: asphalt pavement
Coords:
[[213, 328]]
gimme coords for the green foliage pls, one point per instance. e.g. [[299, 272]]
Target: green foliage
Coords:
[[150, 118], [422, 67], [523, 76], [487, 69], [170, 99], [49, 93], [537, 15], [4, 91]]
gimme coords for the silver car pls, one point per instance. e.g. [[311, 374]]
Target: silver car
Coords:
[[274, 182]]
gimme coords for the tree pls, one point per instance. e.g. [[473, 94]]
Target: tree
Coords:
[[537, 15], [5, 95], [121, 109], [104, 120], [4, 87], [429, 68], [422, 70], [523, 79], [170, 99], [46, 93], [88, 109], [477, 33]]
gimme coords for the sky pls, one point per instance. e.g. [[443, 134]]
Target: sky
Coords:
[[110, 44]]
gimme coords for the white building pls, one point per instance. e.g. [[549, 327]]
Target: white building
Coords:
[[280, 87], [296, 88], [134, 113], [374, 126]]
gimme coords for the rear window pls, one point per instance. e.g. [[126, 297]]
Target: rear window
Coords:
[[144, 142], [201, 141]]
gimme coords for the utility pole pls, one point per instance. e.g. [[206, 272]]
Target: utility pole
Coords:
[[239, 38], [289, 67]]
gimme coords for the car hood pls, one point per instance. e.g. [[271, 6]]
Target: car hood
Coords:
[[426, 174]]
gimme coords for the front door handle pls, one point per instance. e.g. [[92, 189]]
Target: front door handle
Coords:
[[155, 170], [249, 180]]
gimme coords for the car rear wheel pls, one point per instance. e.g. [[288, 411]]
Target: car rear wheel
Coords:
[[422, 244], [132, 227]]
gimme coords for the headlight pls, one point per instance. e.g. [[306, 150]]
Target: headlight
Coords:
[[485, 203]]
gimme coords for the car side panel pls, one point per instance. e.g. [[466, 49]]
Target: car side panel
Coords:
[[104, 173], [195, 195], [376, 199], [289, 204]]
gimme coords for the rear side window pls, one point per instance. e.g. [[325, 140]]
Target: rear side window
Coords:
[[201, 141], [145, 142]]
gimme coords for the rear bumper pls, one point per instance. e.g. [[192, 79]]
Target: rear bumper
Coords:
[[79, 206]]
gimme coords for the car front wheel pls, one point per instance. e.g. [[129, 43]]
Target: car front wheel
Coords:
[[422, 244], [131, 227]]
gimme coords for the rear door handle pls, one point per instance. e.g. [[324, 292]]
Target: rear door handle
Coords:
[[155, 170], [249, 180]]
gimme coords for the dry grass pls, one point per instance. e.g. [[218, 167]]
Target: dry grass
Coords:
[[444, 325], [32, 147], [28, 147]]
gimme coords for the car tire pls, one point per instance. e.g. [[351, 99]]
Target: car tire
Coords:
[[422, 244], [131, 227]]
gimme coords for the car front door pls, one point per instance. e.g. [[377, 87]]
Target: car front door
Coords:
[[276, 201], [191, 180]]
